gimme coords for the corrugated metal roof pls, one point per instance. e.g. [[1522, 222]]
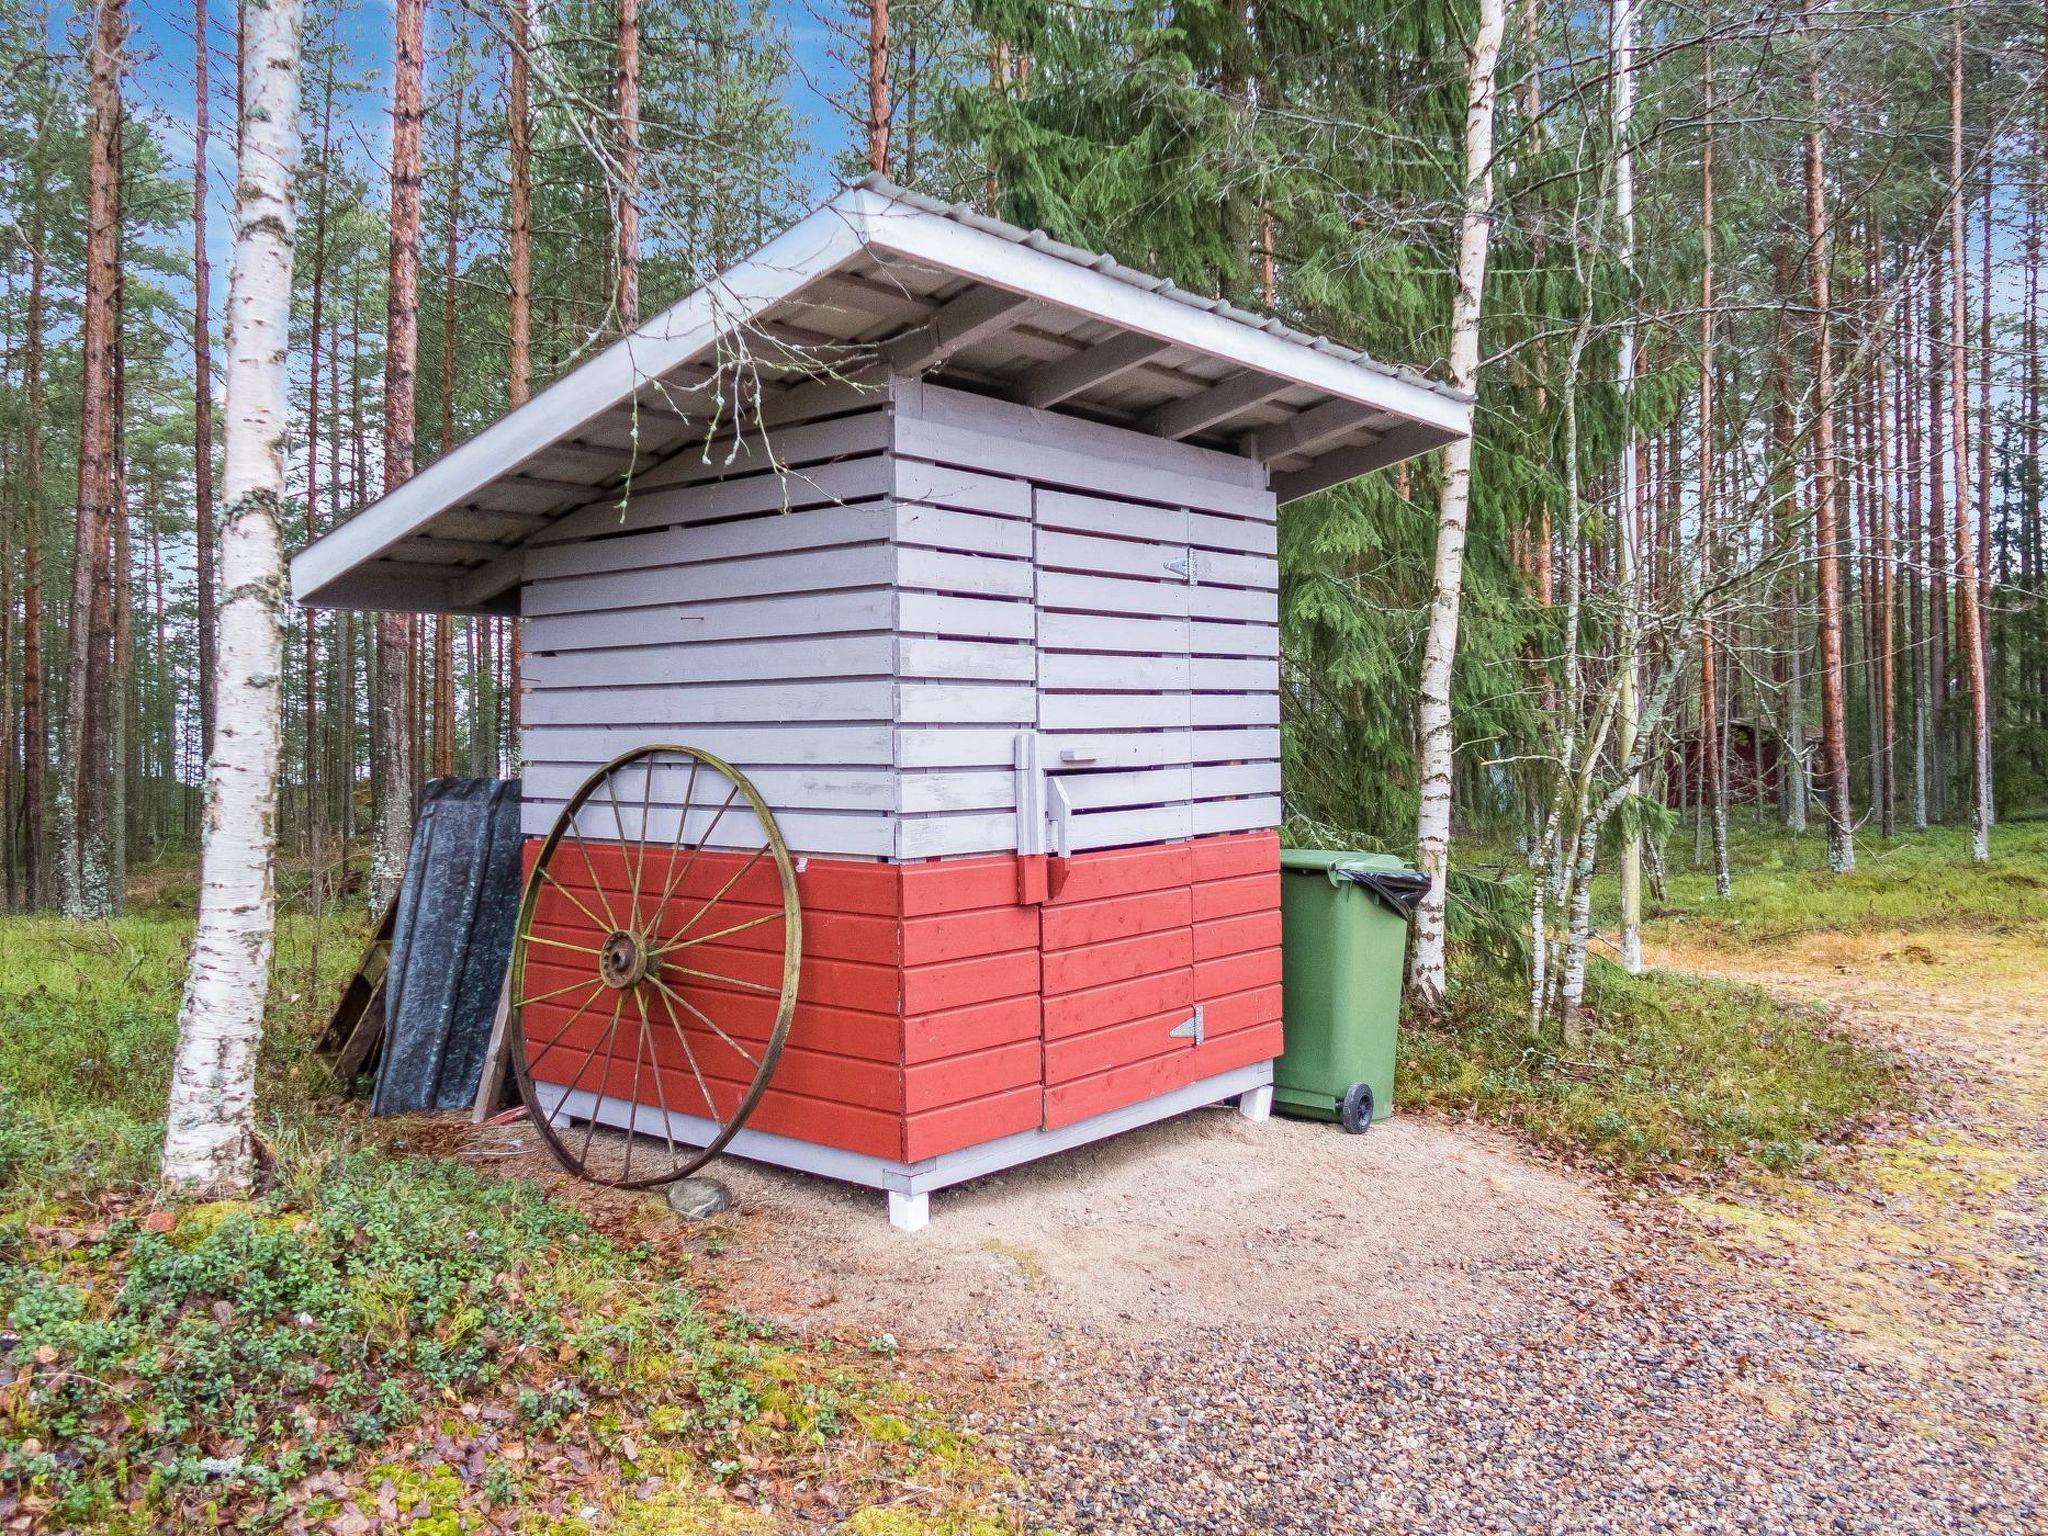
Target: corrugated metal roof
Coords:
[[1109, 266]]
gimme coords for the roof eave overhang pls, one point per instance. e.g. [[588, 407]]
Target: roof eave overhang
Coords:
[[328, 572]]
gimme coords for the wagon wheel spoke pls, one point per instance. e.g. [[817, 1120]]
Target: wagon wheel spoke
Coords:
[[706, 938], [549, 876], [576, 1082], [604, 1080], [574, 986], [718, 895], [675, 846], [611, 790], [557, 1037], [660, 1093], [581, 949], [703, 1087], [675, 881], [730, 981], [597, 885], [710, 1024], [640, 864]]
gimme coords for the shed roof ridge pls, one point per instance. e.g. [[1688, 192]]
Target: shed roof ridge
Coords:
[[1137, 277]]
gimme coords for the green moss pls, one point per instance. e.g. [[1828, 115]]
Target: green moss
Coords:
[[1672, 1072], [1784, 889], [430, 1502]]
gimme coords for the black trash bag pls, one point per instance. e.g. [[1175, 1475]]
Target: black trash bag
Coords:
[[1400, 889], [450, 945]]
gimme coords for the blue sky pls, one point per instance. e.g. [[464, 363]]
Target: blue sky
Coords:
[[162, 78]]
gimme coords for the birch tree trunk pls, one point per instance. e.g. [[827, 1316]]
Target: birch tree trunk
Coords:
[[1628, 532], [202, 382], [210, 1134], [1426, 977], [1715, 788], [390, 726]]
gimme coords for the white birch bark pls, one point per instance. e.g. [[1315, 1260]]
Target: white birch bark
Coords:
[[1433, 818], [1623, 47], [209, 1137]]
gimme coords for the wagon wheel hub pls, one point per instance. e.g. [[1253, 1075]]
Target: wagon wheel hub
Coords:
[[625, 959]]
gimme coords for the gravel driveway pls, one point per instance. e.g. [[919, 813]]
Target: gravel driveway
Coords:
[[1860, 1359]]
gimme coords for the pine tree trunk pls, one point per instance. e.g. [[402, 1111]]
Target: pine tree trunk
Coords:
[[310, 725], [391, 726], [1916, 605], [1427, 975], [1834, 712], [82, 872], [519, 266], [626, 300], [209, 1136], [120, 645], [34, 733], [443, 753], [1886, 567], [878, 85], [1969, 617]]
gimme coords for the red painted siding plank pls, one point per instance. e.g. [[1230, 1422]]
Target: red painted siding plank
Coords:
[[956, 983], [1078, 1012], [958, 885], [935, 1084], [1236, 973], [1236, 935], [1236, 896], [929, 1037], [1237, 853], [938, 1131], [962, 935], [1072, 924], [1121, 872], [1099, 1050], [1148, 954]]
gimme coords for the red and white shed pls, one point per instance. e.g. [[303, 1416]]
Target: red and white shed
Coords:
[[960, 543]]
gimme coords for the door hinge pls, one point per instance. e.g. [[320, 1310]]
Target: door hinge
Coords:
[[1191, 1030], [1187, 567]]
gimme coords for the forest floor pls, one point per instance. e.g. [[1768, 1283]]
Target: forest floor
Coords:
[[1763, 1252]]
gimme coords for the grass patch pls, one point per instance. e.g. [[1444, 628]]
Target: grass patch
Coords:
[[91, 1013], [1783, 888], [377, 1339], [1674, 1074]]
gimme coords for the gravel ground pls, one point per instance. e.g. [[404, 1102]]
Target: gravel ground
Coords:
[[1866, 1358], [1287, 1229]]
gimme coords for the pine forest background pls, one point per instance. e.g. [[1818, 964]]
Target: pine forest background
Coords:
[[1298, 156]]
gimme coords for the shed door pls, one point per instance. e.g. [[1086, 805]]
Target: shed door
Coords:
[[1115, 718]]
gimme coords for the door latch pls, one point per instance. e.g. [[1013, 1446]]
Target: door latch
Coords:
[[1191, 1030]]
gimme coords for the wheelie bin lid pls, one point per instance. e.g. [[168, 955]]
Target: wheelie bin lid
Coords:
[[1386, 875]]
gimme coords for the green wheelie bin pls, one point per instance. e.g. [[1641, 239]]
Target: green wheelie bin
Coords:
[[1344, 937]]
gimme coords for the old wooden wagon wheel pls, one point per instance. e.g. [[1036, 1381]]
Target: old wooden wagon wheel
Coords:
[[654, 969]]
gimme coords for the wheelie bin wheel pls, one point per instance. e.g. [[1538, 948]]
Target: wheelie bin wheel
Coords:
[[1356, 1111]]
